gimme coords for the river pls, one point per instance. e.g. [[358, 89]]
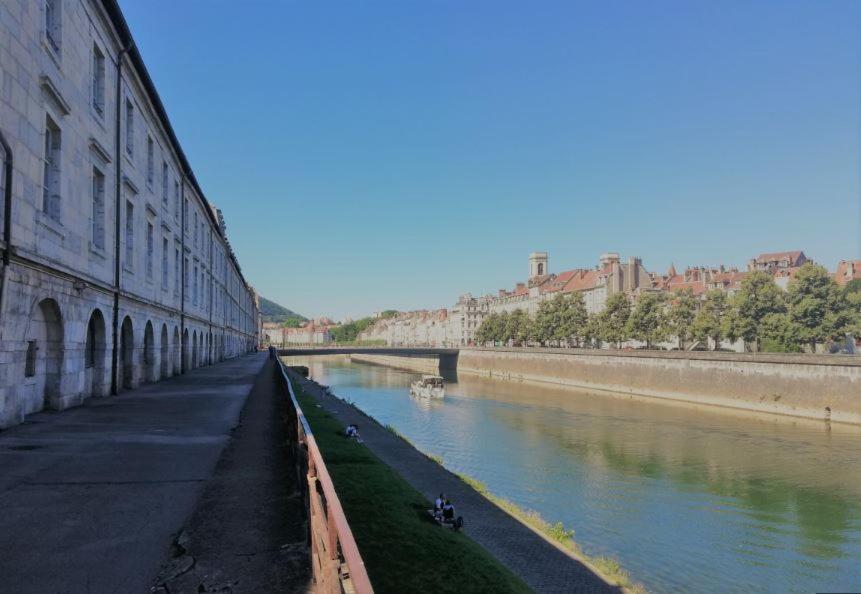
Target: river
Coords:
[[687, 498]]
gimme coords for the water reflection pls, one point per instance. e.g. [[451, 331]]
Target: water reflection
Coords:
[[687, 498]]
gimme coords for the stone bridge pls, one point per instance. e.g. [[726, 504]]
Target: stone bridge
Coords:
[[447, 357]]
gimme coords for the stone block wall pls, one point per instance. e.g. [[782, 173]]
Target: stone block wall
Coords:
[[172, 309]]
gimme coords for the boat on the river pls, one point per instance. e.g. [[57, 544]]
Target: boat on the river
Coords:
[[430, 386]]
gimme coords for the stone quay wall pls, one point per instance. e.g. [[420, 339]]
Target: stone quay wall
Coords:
[[811, 386], [427, 364]]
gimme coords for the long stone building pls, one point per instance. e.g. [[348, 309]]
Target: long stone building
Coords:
[[116, 270]]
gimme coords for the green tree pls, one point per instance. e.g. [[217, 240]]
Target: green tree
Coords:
[[732, 326], [647, 321], [547, 320], [573, 317], [757, 297], [517, 326], [680, 318], [708, 322], [613, 319], [490, 329], [818, 308], [592, 329], [779, 334]]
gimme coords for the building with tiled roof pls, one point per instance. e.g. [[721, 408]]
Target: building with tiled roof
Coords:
[[777, 261], [847, 271]]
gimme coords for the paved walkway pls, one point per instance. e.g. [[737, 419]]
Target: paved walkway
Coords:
[[543, 566], [91, 498], [249, 531]]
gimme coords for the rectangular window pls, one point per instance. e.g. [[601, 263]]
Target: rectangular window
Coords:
[[194, 292], [164, 183], [98, 209], [176, 200], [51, 178], [195, 229], [130, 128], [150, 161], [130, 235], [53, 21], [164, 252], [185, 213], [185, 280], [98, 80], [149, 249]]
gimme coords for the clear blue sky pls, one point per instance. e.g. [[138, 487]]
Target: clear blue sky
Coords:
[[394, 154]]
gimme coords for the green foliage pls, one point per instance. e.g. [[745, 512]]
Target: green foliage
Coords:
[[574, 318], [708, 321], [278, 314], [680, 318], [818, 308], [778, 334], [492, 329], [613, 319], [648, 320], [518, 326], [758, 297], [346, 333], [853, 286]]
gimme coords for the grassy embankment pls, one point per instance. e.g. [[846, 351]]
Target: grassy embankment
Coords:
[[403, 548]]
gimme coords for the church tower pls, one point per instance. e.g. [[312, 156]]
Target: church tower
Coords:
[[538, 264]]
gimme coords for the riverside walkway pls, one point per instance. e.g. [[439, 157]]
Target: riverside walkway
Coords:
[[542, 565], [154, 486]]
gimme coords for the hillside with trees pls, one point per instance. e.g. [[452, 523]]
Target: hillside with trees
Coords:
[[278, 314]]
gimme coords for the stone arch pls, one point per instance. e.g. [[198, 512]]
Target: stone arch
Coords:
[[43, 359], [164, 354], [95, 349], [177, 352], [149, 353], [186, 351], [194, 349], [127, 355]]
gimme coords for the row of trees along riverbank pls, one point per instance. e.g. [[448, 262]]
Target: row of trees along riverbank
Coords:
[[813, 310]]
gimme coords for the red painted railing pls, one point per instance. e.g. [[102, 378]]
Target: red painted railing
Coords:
[[335, 560]]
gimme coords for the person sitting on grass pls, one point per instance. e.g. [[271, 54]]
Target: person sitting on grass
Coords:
[[437, 506], [448, 516], [447, 512]]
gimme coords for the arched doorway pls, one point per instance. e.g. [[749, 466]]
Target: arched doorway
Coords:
[[127, 349], [165, 353], [194, 349], [186, 351], [94, 355], [43, 361], [149, 353], [177, 352]]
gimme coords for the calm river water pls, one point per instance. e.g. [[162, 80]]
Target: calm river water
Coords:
[[687, 499]]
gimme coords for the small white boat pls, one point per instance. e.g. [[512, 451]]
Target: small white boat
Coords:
[[430, 386]]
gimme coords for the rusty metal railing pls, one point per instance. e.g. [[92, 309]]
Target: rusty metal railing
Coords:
[[335, 560]]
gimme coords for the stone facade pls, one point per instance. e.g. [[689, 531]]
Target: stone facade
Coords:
[[116, 270]]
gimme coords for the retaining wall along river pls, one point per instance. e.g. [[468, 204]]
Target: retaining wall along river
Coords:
[[427, 364], [811, 386]]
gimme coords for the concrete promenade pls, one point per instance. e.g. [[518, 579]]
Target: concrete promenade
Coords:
[[543, 566], [92, 498]]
